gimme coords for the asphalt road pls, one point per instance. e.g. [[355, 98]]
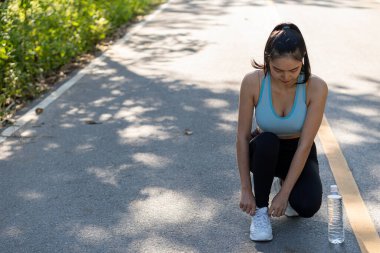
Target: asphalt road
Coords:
[[139, 155]]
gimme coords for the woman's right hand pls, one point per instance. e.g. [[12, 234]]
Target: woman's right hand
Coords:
[[247, 202]]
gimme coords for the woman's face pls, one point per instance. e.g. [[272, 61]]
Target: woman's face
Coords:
[[285, 70]]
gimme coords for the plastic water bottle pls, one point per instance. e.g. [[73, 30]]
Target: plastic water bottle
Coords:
[[335, 211]]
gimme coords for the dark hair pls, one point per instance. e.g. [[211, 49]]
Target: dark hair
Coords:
[[286, 39]]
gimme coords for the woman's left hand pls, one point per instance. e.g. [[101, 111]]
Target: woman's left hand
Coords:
[[278, 205]]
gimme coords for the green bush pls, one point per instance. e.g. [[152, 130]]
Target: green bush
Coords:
[[37, 37]]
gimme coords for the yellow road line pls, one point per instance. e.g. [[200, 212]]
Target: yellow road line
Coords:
[[356, 210]]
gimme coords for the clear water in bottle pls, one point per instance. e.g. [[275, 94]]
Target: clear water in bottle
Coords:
[[335, 212]]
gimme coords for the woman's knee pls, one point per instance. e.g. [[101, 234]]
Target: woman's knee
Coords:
[[306, 197], [307, 210], [307, 207]]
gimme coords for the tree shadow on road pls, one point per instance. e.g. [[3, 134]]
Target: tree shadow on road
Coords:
[[132, 176]]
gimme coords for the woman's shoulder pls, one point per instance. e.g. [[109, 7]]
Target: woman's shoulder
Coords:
[[253, 79], [317, 86], [250, 86], [315, 81]]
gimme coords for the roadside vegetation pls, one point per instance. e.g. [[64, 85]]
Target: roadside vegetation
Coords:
[[43, 40]]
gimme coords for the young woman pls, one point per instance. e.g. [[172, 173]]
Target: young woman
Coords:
[[288, 104]]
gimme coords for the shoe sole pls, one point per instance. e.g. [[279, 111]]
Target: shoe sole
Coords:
[[261, 239], [291, 214]]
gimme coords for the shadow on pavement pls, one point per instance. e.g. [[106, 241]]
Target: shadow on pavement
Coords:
[[131, 176]]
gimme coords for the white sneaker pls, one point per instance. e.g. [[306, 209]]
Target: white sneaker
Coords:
[[276, 187], [290, 212], [261, 228]]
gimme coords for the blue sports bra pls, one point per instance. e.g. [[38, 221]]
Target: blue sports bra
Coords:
[[267, 118]]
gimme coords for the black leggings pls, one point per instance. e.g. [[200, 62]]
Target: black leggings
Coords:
[[271, 157]]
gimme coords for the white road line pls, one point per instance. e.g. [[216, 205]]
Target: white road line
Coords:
[[31, 115]]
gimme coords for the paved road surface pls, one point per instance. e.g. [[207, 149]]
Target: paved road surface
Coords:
[[134, 182]]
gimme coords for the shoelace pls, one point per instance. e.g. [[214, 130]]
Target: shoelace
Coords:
[[261, 219]]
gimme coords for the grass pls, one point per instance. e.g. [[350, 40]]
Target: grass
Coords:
[[41, 41]]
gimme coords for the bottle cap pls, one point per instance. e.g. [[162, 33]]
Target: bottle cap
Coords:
[[333, 188]]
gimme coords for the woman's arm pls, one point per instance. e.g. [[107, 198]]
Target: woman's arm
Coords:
[[246, 105], [317, 93]]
